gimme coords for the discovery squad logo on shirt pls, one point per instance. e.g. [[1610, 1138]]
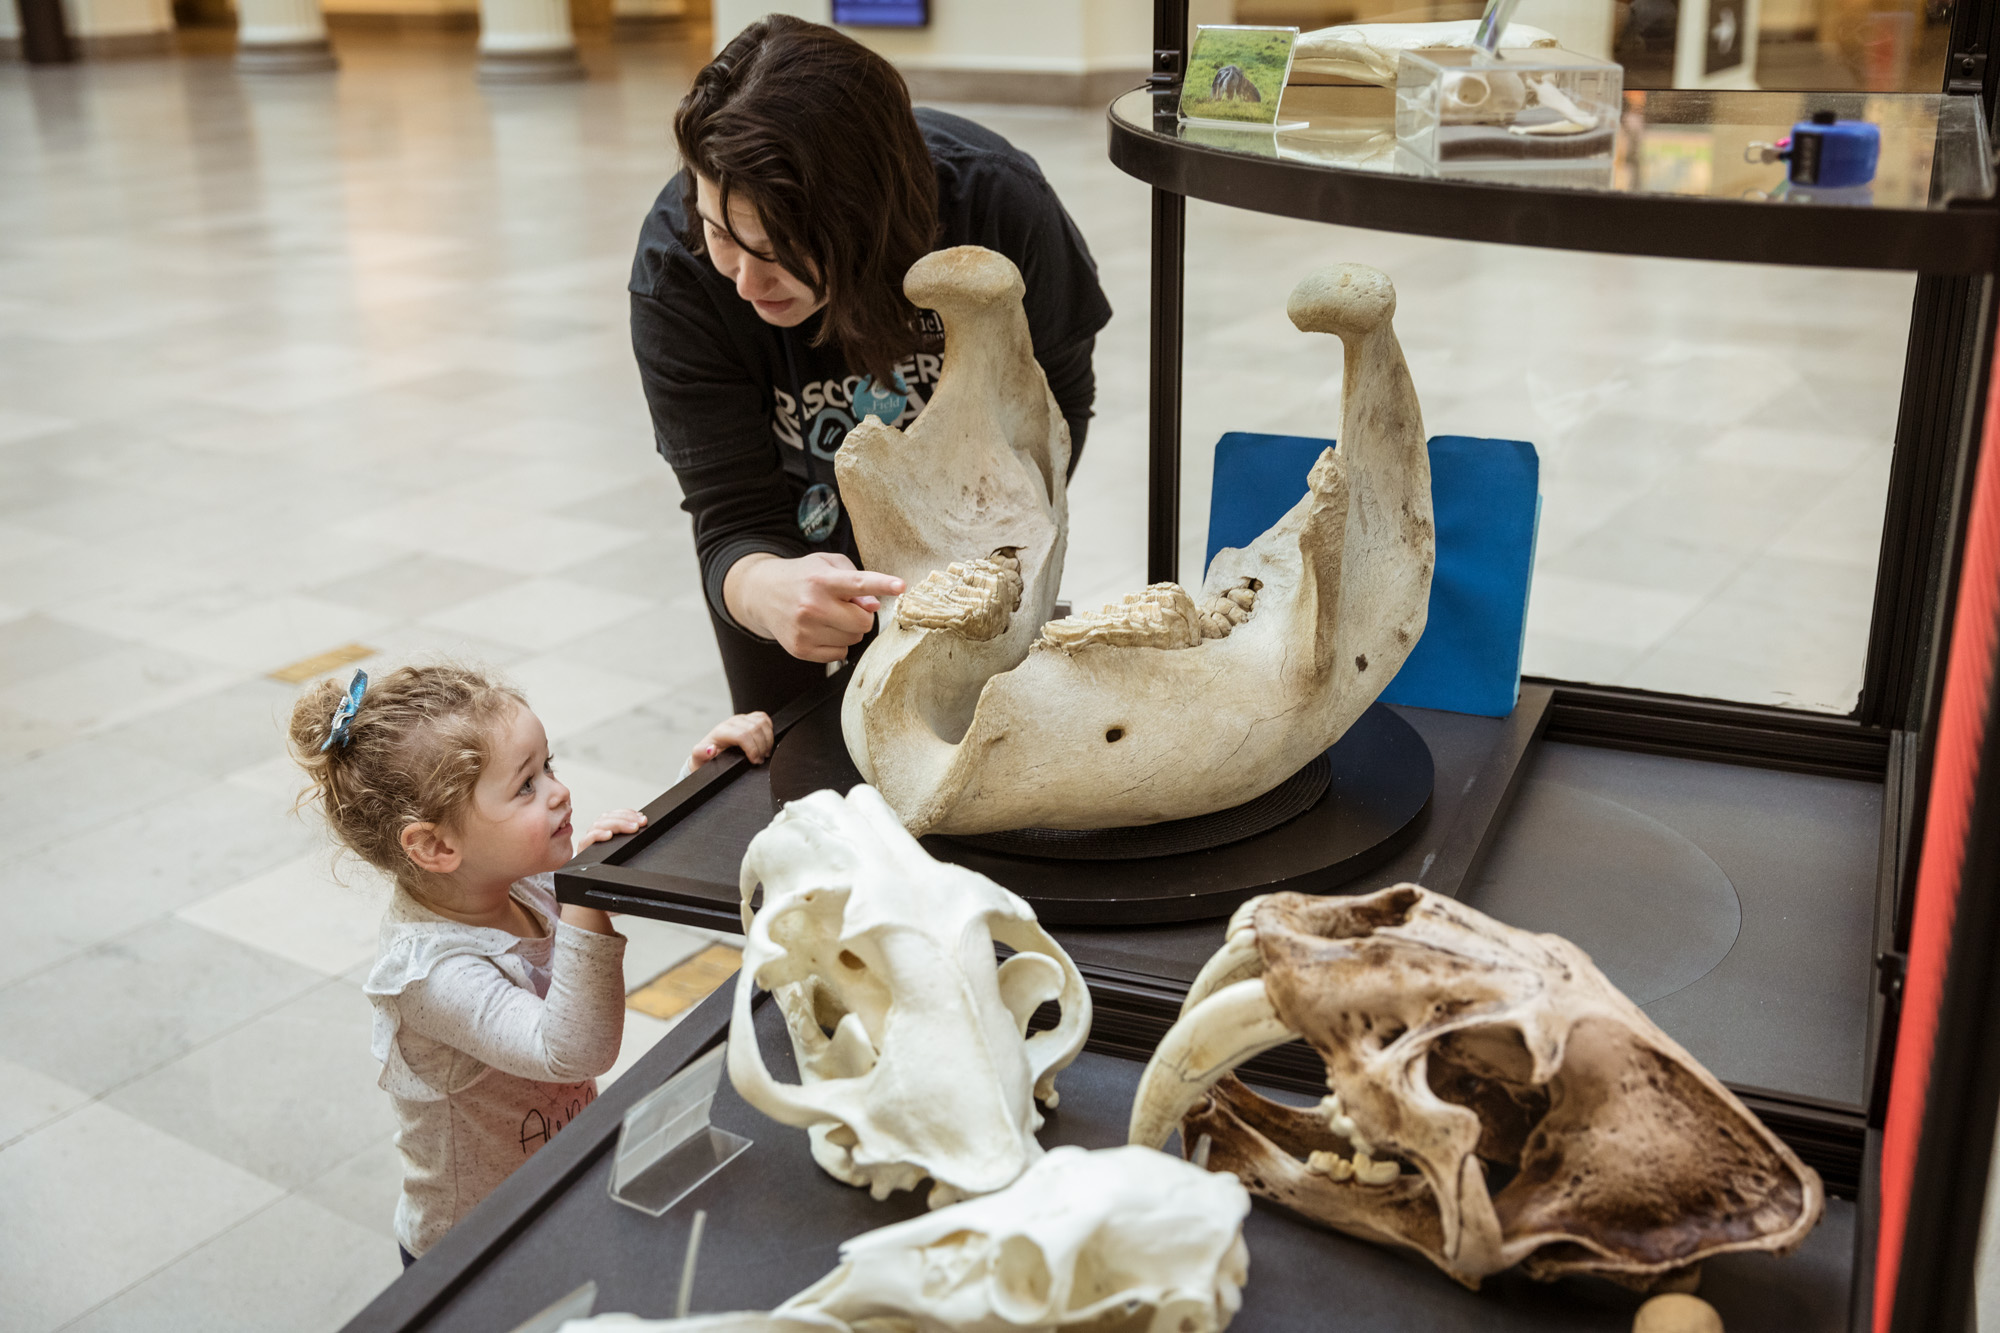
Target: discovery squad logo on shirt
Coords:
[[819, 416]]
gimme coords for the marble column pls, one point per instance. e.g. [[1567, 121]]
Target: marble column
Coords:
[[526, 41], [281, 37]]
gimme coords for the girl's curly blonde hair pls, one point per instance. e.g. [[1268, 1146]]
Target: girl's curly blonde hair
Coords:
[[414, 752]]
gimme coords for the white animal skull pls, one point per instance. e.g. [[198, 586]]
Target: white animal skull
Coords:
[[1123, 1239], [911, 1042], [972, 715], [1493, 1099], [1481, 96]]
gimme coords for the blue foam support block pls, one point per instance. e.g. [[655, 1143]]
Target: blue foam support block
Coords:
[[1484, 496]]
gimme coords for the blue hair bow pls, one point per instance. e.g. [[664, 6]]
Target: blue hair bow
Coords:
[[343, 713]]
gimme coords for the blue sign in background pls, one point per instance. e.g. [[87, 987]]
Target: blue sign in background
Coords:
[[882, 13], [1486, 503]]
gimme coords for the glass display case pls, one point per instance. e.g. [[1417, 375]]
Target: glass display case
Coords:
[[1748, 874]]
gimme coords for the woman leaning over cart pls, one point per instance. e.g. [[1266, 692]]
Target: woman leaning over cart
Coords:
[[768, 318]]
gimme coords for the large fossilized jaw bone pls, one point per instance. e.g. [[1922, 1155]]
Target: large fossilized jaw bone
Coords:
[[1165, 705], [1122, 1239], [912, 1045], [1455, 1046]]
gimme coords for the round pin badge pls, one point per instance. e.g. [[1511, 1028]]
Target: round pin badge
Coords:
[[870, 400], [819, 512]]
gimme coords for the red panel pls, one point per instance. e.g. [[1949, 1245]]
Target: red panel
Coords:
[[1961, 732]]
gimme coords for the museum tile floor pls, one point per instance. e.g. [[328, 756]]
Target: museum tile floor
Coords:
[[303, 372]]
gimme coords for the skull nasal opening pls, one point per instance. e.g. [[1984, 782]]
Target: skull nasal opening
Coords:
[[1352, 918]]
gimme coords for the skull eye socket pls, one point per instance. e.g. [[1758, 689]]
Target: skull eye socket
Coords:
[[1486, 1070]]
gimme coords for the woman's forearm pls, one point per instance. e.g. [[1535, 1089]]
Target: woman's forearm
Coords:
[[738, 595]]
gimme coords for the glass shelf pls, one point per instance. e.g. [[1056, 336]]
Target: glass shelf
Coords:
[[1677, 182]]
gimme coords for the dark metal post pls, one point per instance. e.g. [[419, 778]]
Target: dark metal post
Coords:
[[1163, 473], [44, 37]]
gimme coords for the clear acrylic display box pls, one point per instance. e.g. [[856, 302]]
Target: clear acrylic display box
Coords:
[[1540, 105]]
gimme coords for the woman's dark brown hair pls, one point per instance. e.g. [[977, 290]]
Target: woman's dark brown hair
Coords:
[[815, 130]]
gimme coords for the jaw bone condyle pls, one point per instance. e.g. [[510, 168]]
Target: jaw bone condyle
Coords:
[[912, 1045], [1494, 1100], [972, 712]]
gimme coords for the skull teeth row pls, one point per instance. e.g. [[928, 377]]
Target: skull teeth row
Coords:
[[975, 598], [1228, 609], [1163, 616], [1362, 1169]]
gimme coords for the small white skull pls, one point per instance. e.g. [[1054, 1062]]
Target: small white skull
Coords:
[[1123, 1240], [911, 1042], [1481, 97], [1493, 1099]]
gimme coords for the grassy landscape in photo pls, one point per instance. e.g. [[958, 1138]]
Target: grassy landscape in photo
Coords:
[[1262, 55]]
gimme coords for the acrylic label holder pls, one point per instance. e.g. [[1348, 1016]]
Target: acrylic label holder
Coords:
[[1539, 106], [667, 1146]]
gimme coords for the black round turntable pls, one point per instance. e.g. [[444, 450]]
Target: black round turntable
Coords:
[[1341, 815]]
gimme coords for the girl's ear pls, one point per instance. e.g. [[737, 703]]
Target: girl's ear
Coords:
[[431, 848]]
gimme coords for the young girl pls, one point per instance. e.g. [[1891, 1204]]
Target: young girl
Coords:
[[495, 1006]]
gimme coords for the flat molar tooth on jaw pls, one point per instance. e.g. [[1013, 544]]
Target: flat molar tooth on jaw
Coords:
[[1368, 1171], [1228, 609], [1331, 1165], [1163, 616], [974, 598]]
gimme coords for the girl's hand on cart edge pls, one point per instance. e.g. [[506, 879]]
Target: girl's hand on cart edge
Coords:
[[748, 732], [610, 825]]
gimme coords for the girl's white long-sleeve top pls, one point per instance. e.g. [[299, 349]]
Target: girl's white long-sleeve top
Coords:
[[489, 1044]]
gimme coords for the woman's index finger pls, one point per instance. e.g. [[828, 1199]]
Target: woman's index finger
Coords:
[[868, 583]]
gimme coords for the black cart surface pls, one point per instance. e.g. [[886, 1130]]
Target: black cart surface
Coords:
[[1738, 905], [776, 1221]]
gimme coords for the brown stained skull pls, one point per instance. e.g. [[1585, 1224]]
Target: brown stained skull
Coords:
[[1494, 1099]]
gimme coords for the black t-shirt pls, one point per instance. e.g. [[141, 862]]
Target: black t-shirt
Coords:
[[750, 415]]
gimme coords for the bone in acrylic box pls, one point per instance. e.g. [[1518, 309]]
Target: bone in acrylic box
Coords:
[[1237, 75]]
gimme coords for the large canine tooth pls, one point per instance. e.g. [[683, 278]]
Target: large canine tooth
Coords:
[[1237, 960], [1208, 1042], [976, 598]]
